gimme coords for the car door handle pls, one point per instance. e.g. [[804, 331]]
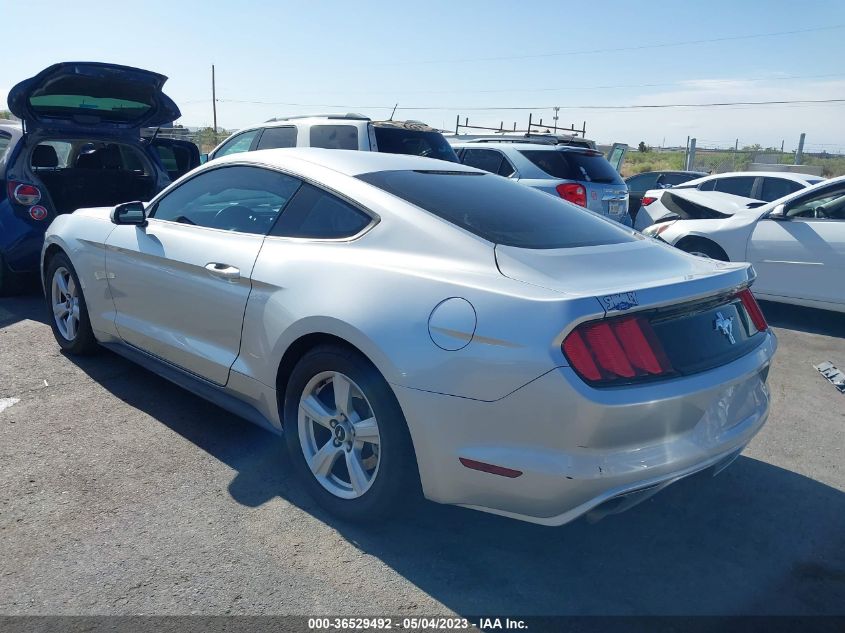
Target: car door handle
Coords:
[[223, 271]]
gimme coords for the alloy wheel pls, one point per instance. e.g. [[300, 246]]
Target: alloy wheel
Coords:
[[339, 435], [65, 302]]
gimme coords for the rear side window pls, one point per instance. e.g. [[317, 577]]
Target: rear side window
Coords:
[[317, 214], [739, 186], [334, 136], [396, 140], [589, 167], [5, 141], [498, 210], [275, 137], [642, 182], [486, 159], [677, 179], [774, 188]]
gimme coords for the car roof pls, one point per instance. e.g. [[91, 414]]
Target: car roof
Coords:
[[670, 171], [542, 147], [344, 161], [785, 175]]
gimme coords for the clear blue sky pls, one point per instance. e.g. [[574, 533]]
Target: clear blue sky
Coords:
[[366, 56]]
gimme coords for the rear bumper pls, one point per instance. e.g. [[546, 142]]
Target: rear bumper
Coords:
[[579, 447]]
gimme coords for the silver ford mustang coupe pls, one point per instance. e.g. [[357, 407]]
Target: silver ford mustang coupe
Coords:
[[409, 323]]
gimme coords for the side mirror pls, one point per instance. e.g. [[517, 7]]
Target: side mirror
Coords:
[[778, 213], [130, 213]]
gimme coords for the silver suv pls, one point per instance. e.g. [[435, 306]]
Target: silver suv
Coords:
[[340, 131], [580, 175]]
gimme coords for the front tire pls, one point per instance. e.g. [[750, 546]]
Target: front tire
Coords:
[[346, 435], [704, 248], [66, 308]]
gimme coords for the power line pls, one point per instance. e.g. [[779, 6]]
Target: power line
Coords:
[[547, 107], [615, 50]]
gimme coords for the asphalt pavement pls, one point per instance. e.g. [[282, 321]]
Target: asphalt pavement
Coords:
[[123, 494]]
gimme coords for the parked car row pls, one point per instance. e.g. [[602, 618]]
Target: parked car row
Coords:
[[393, 303]]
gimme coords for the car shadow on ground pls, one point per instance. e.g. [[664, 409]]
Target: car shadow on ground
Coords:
[[757, 539], [22, 307], [803, 319]]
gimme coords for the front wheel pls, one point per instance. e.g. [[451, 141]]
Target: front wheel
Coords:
[[66, 308], [346, 435]]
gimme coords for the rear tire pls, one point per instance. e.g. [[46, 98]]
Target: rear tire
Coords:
[[66, 308], [354, 457]]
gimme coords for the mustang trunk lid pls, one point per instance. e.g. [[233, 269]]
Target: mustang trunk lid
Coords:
[[623, 276]]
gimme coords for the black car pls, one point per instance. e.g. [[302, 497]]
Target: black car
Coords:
[[640, 183]]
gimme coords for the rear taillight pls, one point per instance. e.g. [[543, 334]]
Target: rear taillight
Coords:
[[753, 309], [24, 193], [573, 192], [647, 200], [622, 349]]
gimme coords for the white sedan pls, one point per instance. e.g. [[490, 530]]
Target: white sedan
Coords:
[[408, 322], [796, 243], [739, 191]]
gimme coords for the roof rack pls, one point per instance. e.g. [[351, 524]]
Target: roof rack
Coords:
[[530, 130], [349, 116]]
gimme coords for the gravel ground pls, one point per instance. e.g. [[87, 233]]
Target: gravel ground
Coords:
[[122, 494]]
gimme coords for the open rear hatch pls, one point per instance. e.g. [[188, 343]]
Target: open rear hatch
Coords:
[[92, 96], [660, 313]]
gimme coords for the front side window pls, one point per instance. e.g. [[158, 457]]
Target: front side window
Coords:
[[499, 210], [739, 186], [237, 144], [826, 205], [334, 136], [236, 198], [317, 214], [276, 137]]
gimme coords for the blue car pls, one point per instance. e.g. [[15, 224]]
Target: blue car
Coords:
[[78, 144]]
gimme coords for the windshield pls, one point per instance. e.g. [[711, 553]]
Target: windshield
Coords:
[[499, 210], [584, 166], [397, 140]]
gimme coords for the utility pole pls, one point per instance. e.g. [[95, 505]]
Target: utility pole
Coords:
[[557, 109], [799, 155], [214, 102]]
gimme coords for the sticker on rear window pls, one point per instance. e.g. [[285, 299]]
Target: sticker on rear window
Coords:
[[620, 301]]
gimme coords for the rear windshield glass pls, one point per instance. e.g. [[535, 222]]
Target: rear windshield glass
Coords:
[[394, 140], [574, 166], [499, 210], [79, 94]]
